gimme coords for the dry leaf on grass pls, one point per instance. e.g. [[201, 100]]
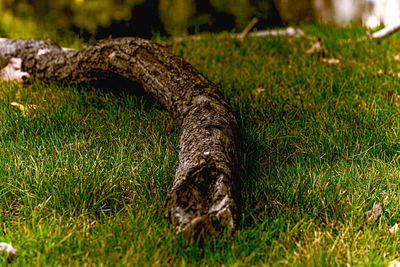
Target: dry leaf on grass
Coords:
[[78, 144], [332, 61], [317, 48], [24, 109], [374, 213], [258, 91], [394, 229], [7, 250]]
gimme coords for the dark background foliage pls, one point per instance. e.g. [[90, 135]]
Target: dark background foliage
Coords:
[[96, 19]]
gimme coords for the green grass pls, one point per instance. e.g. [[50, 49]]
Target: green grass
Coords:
[[83, 177]]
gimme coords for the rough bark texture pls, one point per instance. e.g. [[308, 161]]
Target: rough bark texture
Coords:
[[208, 148]]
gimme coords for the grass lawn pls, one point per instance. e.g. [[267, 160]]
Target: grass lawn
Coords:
[[83, 177]]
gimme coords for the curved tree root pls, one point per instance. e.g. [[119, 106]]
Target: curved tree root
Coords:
[[202, 195]]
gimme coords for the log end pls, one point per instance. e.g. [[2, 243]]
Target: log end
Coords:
[[198, 212]]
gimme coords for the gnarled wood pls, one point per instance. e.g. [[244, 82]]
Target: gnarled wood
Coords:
[[208, 147]]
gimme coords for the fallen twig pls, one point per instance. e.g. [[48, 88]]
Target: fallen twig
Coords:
[[290, 31], [385, 32], [247, 29], [378, 35], [287, 32]]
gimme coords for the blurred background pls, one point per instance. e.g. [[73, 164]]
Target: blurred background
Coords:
[[96, 19]]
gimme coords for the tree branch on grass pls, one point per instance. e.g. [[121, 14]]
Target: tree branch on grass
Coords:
[[385, 32], [378, 35], [287, 32], [203, 192]]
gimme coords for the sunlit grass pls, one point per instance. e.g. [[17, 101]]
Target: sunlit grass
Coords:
[[83, 177]]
